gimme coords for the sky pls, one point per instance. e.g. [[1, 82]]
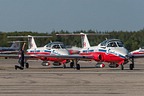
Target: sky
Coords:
[[71, 15]]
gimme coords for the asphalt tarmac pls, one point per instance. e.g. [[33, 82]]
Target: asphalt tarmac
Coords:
[[55, 81]]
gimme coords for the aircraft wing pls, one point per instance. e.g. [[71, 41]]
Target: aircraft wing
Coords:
[[16, 56], [37, 56], [9, 52], [71, 57]]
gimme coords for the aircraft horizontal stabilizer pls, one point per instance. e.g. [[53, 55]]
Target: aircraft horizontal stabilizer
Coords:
[[28, 36]]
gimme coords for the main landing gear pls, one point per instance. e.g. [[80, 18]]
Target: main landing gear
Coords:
[[131, 66], [64, 66], [26, 65], [74, 64], [78, 66], [122, 67]]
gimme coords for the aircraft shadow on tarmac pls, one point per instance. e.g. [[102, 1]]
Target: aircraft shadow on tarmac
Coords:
[[55, 68]]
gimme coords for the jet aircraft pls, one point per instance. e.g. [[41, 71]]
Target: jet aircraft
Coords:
[[138, 53], [51, 49], [14, 48], [111, 51]]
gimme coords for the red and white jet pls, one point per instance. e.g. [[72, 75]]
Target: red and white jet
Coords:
[[46, 53], [138, 53], [111, 51]]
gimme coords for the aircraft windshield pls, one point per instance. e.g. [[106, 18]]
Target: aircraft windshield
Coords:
[[120, 44], [58, 46], [115, 44], [112, 43], [62, 46], [104, 43], [48, 45]]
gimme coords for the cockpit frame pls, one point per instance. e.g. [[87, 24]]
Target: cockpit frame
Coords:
[[55, 45], [112, 43]]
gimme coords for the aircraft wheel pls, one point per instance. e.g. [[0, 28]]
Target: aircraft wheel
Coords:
[[71, 64], [78, 66], [16, 67], [64, 65], [122, 67], [27, 65], [131, 66]]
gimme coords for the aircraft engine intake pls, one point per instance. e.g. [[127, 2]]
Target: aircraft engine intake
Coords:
[[100, 65], [113, 65], [45, 63], [97, 57]]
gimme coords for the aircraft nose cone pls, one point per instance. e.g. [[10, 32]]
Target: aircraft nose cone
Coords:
[[123, 52]]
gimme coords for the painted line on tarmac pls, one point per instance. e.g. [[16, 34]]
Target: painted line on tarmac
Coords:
[[58, 72]]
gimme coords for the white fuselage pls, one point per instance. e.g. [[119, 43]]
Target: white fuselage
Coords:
[[118, 51]]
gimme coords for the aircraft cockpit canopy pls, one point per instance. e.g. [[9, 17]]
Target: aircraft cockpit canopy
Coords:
[[55, 45], [112, 43]]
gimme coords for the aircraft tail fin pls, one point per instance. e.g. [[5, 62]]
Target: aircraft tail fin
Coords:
[[31, 42], [15, 45], [85, 41]]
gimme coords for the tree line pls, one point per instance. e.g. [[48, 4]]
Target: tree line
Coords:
[[131, 39]]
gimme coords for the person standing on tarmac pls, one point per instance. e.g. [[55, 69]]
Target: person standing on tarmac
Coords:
[[21, 59]]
